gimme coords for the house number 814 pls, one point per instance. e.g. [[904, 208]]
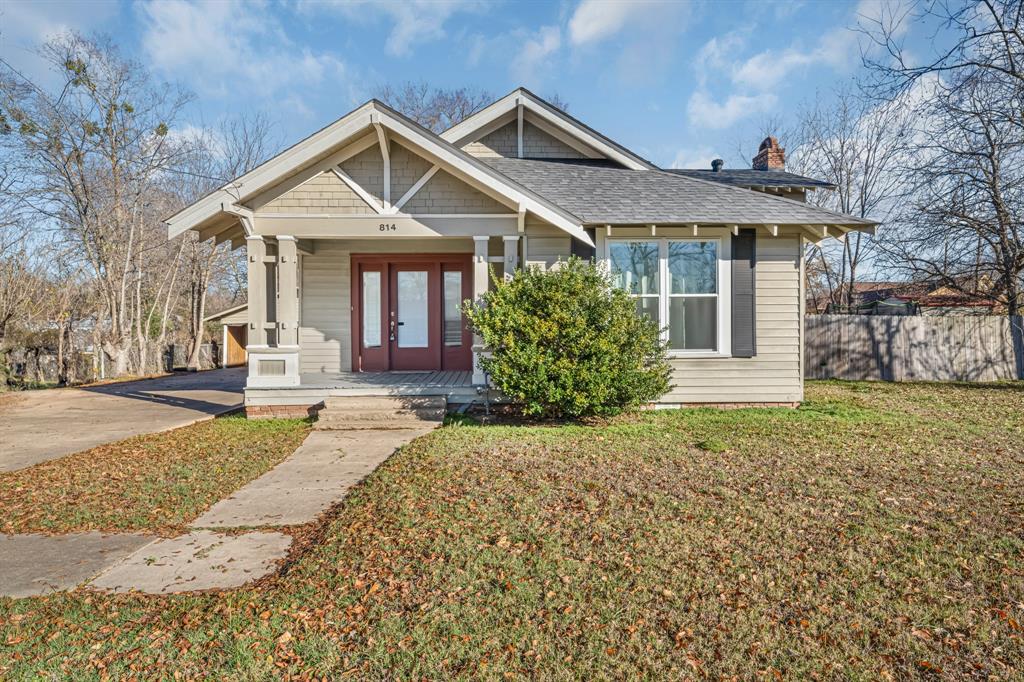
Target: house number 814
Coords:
[[388, 227]]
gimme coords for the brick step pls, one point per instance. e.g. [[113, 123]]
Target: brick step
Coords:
[[347, 403]]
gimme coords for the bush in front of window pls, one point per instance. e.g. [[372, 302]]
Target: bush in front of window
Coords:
[[566, 343]]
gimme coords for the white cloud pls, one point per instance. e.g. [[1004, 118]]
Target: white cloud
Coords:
[[836, 49], [716, 55], [528, 64], [415, 21], [703, 111], [596, 20], [229, 46]]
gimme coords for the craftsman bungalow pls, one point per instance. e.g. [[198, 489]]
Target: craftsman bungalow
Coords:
[[363, 239]]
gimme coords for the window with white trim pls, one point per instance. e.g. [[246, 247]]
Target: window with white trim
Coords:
[[676, 283]]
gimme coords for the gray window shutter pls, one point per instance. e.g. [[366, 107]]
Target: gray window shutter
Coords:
[[744, 327]]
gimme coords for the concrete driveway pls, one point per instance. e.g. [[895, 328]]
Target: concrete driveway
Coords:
[[36, 426]]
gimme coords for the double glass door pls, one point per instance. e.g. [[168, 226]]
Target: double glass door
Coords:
[[407, 313]]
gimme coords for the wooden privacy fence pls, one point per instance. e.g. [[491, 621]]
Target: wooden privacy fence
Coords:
[[912, 348]]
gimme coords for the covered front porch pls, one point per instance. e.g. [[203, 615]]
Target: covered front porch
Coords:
[[457, 387]]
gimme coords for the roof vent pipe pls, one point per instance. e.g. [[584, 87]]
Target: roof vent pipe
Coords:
[[717, 164]]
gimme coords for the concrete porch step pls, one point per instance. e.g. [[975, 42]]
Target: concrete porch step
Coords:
[[381, 412], [386, 402]]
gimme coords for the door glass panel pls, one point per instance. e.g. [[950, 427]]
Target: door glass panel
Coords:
[[371, 310], [452, 312], [412, 309]]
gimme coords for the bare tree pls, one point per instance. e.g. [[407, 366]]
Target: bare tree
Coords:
[[861, 147], [434, 108], [237, 146], [963, 228], [986, 37], [91, 153]]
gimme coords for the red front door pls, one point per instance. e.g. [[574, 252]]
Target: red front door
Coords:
[[406, 313]]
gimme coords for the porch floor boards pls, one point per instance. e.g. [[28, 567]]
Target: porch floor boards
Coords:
[[442, 379], [457, 387]]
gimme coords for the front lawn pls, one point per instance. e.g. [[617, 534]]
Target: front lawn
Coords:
[[153, 483], [877, 532]]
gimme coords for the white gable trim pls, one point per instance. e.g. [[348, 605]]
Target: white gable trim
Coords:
[[320, 144], [464, 131]]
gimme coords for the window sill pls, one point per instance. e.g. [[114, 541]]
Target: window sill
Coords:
[[696, 355]]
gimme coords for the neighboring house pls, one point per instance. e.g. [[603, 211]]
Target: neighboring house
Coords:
[[908, 298], [364, 238]]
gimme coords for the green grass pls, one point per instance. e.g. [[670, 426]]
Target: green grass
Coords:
[[154, 483], [877, 532]]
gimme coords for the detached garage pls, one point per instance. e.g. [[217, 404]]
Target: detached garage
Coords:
[[234, 335]]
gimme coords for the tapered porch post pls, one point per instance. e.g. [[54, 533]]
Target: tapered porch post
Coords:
[[256, 250], [288, 291], [481, 272]]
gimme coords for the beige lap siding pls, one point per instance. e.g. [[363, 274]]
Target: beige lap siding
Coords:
[[325, 332], [773, 375]]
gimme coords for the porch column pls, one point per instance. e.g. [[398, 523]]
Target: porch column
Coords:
[[511, 255], [256, 250], [480, 276], [273, 366], [288, 291]]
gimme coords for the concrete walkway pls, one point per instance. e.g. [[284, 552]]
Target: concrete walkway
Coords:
[[36, 564], [202, 560], [36, 426], [316, 476], [294, 492]]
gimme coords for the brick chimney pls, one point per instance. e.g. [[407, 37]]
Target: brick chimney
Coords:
[[770, 156]]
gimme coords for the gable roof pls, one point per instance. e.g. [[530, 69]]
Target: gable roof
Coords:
[[749, 177], [552, 115], [226, 312], [565, 193], [598, 193], [322, 143]]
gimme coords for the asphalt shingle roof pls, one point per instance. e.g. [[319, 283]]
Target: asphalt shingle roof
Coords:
[[748, 177], [597, 193]]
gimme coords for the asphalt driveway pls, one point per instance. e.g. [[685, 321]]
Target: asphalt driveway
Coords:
[[36, 426]]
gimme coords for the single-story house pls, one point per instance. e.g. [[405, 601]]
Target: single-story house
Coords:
[[363, 239]]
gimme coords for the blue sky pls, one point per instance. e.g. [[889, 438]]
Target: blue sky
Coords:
[[677, 82]]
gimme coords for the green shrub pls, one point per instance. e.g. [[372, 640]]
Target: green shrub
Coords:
[[566, 343]]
